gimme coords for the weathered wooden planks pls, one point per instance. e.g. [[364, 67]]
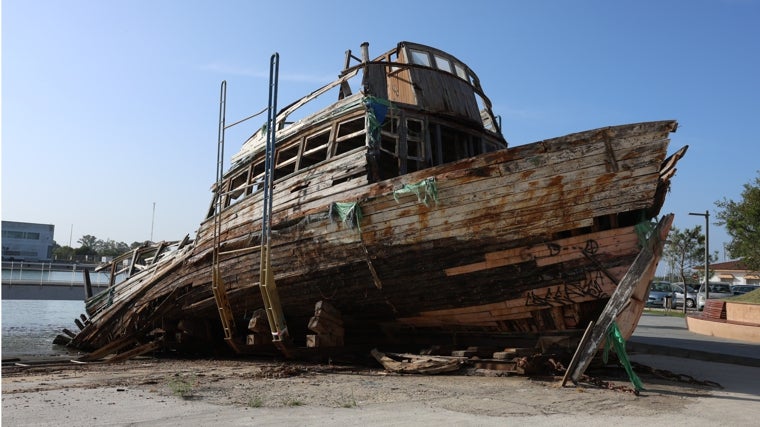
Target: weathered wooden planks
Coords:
[[526, 239]]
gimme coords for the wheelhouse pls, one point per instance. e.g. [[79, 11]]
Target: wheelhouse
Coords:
[[415, 107]]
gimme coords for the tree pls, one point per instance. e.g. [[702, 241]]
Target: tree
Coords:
[[742, 222], [85, 251], [92, 247], [62, 253], [88, 241], [684, 250], [112, 248]]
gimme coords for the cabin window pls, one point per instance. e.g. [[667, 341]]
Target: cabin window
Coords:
[[315, 149], [390, 135], [393, 57], [420, 57], [449, 144], [461, 71], [257, 177], [350, 135], [443, 64], [388, 162], [286, 161], [415, 145], [236, 188]]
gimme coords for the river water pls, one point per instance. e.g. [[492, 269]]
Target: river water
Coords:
[[29, 327]]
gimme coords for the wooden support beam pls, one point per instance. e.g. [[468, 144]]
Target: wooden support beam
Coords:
[[87, 284], [259, 322], [328, 325], [643, 266]]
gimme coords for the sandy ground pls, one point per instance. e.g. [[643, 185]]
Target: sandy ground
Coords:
[[205, 393]]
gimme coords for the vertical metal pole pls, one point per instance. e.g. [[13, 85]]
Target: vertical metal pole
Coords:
[[707, 255], [219, 169], [267, 284], [152, 221], [274, 70]]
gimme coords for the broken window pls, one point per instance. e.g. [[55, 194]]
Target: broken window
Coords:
[[287, 158], [257, 177], [315, 149], [415, 145], [449, 144], [350, 135], [236, 188]]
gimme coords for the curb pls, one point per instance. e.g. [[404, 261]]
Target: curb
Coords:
[[639, 347]]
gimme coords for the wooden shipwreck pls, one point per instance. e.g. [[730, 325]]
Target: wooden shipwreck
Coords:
[[397, 216]]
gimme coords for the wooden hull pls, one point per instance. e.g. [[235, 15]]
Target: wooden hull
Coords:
[[529, 240], [398, 216]]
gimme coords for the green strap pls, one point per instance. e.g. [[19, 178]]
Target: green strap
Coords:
[[615, 338]]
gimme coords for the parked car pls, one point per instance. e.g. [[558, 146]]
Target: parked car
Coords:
[[657, 293], [717, 290], [743, 289], [678, 297]]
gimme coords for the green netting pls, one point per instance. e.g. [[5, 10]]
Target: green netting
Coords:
[[615, 338], [644, 229], [377, 108], [425, 191], [348, 212]]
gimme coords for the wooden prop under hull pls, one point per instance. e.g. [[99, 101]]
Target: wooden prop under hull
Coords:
[[627, 303]]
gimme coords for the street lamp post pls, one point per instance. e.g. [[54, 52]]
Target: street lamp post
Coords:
[[707, 253]]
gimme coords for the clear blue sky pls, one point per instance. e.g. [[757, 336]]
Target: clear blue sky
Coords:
[[111, 106]]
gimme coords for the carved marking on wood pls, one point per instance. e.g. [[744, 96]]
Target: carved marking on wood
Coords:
[[569, 293]]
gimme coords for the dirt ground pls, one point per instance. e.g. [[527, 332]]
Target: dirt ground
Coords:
[[245, 392]]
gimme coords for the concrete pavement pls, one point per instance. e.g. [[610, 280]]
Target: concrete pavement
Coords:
[[669, 336]]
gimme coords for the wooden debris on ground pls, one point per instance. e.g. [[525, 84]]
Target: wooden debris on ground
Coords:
[[415, 364]]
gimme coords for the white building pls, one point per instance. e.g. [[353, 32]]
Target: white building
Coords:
[[733, 272], [26, 241]]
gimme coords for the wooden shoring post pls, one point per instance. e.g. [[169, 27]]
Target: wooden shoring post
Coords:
[[574, 360], [327, 325], [642, 266], [87, 284]]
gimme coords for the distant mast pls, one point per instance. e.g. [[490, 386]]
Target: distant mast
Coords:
[[152, 221]]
